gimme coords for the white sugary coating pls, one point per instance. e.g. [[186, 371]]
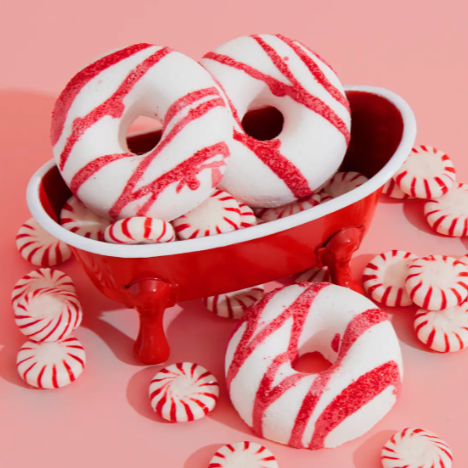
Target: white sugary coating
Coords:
[[183, 392], [343, 182], [234, 304], [40, 248], [139, 230], [448, 215], [243, 455], [94, 111], [437, 282], [445, 331], [416, 448], [41, 279], [218, 214], [45, 315], [313, 275], [248, 218], [271, 214], [51, 365], [427, 173], [82, 221], [355, 393], [384, 278], [392, 190], [271, 70]]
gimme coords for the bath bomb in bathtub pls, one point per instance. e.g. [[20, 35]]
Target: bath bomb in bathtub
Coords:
[[274, 71]]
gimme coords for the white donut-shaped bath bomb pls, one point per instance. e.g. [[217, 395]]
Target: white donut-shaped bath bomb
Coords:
[[321, 410], [272, 70], [94, 111]]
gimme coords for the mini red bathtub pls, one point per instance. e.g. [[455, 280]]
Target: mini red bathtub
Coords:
[[151, 278]]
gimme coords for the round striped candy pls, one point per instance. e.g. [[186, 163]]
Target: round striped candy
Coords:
[[343, 182], [248, 218], [243, 455], [40, 279], [445, 331], [51, 365], [437, 282], [233, 304], [139, 230], [218, 214], [82, 221], [183, 392], [392, 190], [38, 247], [427, 173], [313, 275], [385, 275], [448, 215], [50, 314], [416, 448], [271, 214]]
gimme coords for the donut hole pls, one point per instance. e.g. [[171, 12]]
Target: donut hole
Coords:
[[312, 363], [264, 123], [143, 134]]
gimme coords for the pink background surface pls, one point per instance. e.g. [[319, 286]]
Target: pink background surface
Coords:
[[416, 48]]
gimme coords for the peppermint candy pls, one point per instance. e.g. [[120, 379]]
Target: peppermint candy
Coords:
[[313, 275], [38, 247], [445, 331], [385, 275], [45, 315], [51, 365], [392, 190], [448, 215], [233, 304], [183, 392], [343, 182], [416, 448], [248, 218], [437, 282], [271, 214], [218, 214], [243, 455], [139, 230], [427, 173], [41, 279], [82, 221]]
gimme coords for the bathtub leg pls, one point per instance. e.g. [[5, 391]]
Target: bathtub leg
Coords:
[[336, 254], [151, 297]]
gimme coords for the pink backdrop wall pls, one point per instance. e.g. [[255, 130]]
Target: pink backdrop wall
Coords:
[[416, 48]]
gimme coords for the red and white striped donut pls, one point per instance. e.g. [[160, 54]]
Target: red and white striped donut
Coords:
[[248, 218], [445, 331], [392, 190], [234, 304], [416, 448], [139, 230], [78, 219], [38, 247], [183, 392], [437, 282], [448, 215], [313, 410], [41, 279], [243, 455], [272, 70], [97, 106], [384, 278], [51, 365], [270, 214], [343, 182], [313, 275], [218, 214], [427, 173], [50, 314]]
